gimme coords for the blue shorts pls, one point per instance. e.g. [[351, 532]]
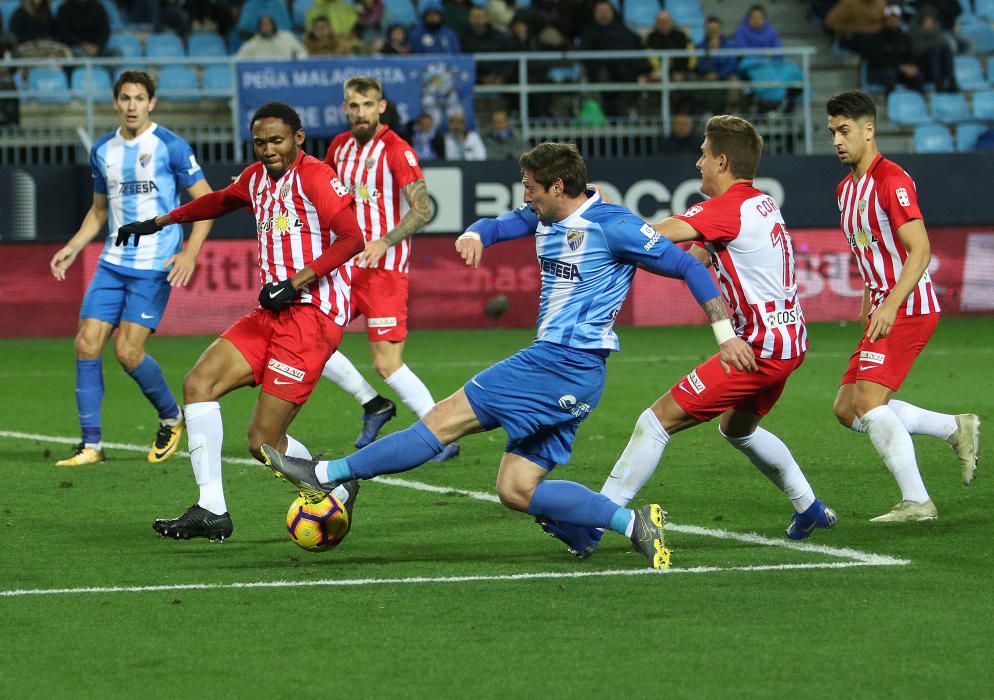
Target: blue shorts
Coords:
[[114, 296], [540, 396]]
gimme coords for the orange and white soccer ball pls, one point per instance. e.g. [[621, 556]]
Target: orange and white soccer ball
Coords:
[[317, 527]]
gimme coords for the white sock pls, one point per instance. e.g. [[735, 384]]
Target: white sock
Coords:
[[772, 457], [858, 425], [340, 370], [295, 448], [921, 421], [341, 493], [637, 463], [893, 443], [412, 391], [205, 433]]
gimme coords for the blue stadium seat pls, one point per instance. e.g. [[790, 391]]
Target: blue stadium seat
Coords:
[[127, 44], [300, 8], [907, 107], [685, 11], [7, 8], [399, 12], [98, 86], [966, 135], [980, 34], [207, 44], [990, 70], [640, 14], [864, 80], [164, 45], [983, 105], [969, 73], [217, 79], [177, 78], [768, 70], [984, 8], [48, 85], [113, 15], [933, 138], [949, 107]]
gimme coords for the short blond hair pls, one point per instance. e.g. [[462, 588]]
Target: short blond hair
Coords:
[[738, 140]]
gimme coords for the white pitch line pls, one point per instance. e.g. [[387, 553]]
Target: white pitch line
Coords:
[[412, 580], [863, 558]]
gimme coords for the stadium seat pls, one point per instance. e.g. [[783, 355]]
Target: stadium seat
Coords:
[[399, 12], [864, 80], [7, 8], [983, 105], [984, 8], [685, 11], [949, 107], [207, 44], [216, 79], [980, 34], [127, 44], [767, 70], [164, 45], [969, 73], [990, 70], [48, 85], [121, 69], [173, 79], [640, 14], [933, 138], [966, 135], [99, 84], [907, 107], [113, 15], [300, 8]]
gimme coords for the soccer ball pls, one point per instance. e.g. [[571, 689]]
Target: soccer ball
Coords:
[[317, 527]]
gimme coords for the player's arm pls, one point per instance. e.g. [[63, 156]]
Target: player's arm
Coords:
[[484, 233], [420, 213], [182, 264], [93, 224], [677, 230], [914, 238]]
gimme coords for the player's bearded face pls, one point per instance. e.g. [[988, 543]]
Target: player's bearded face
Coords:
[[542, 201], [364, 114], [275, 144]]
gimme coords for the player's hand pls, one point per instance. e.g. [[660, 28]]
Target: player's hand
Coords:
[[181, 267], [61, 261], [373, 252], [470, 247], [736, 353], [276, 296], [881, 321], [136, 229], [600, 191]]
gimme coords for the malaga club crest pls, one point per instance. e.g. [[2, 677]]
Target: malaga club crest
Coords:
[[862, 206], [144, 158], [574, 238], [285, 190], [371, 163]]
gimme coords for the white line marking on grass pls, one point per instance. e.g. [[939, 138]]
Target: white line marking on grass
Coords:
[[342, 583], [857, 557]]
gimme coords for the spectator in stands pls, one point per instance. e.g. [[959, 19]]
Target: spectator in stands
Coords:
[[396, 43], [502, 141], [715, 68], [84, 27], [608, 33], [270, 42], [432, 36], [156, 15], [253, 10], [890, 58], [342, 16], [424, 138], [369, 22], [756, 31], [456, 14], [212, 16], [320, 41], [480, 37], [571, 17], [944, 11], [933, 50], [32, 26], [665, 35], [501, 14], [682, 138], [460, 143], [855, 23]]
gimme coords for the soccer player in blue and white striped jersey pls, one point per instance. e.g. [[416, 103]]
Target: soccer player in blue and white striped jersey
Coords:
[[138, 170], [588, 251]]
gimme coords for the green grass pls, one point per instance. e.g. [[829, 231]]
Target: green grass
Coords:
[[920, 630]]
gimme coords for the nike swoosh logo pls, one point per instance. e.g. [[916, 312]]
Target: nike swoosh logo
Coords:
[[277, 381], [863, 368], [273, 295], [683, 387], [147, 316], [473, 381], [383, 331]]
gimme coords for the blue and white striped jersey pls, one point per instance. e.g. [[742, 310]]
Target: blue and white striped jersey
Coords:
[[141, 179]]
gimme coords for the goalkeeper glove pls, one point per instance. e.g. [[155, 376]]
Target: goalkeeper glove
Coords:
[[276, 296], [138, 228]]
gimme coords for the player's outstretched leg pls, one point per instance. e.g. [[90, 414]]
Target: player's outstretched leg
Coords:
[[580, 541], [647, 535], [818, 515], [196, 522]]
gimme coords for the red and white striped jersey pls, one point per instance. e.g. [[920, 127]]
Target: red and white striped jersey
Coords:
[[292, 219], [374, 173], [873, 209], [750, 249]]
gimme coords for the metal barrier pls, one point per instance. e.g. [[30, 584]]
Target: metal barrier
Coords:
[[44, 142]]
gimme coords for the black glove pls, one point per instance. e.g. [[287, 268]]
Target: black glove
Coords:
[[138, 228], [276, 296]]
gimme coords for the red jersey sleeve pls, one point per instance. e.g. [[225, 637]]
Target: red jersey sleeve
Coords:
[[898, 197], [217, 203], [403, 162], [717, 220]]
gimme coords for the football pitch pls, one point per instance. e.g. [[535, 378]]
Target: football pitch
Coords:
[[439, 591]]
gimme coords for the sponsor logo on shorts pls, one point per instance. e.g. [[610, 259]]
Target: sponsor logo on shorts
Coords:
[[870, 360], [783, 317], [382, 322], [695, 383], [291, 373], [577, 409], [147, 316]]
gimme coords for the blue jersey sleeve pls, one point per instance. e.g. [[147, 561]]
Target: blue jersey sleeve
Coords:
[[182, 163], [518, 223], [97, 171]]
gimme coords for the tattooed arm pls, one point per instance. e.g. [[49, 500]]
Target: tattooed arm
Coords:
[[419, 214]]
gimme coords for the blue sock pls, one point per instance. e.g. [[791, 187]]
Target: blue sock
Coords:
[[150, 379], [572, 503], [89, 396], [394, 453], [620, 520]]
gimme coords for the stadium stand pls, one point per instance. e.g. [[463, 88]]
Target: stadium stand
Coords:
[[907, 107], [48, 85], [983, 105], [164, 45], [933, 138], [127, 44], [969, 73], [177, 79], [99, 83], [206, 45], [217, 79], [949, 107], [399, 12], [967, 135]]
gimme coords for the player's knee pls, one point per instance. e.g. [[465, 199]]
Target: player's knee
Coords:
[[197, 387], [128, 355], [385, 367], [844, 413], [513, 497], [87, 348], [256, 439], [863, 405]]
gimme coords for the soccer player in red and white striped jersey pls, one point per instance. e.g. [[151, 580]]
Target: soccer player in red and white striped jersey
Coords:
[[881, 219], [392, 204], [307, 230]]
